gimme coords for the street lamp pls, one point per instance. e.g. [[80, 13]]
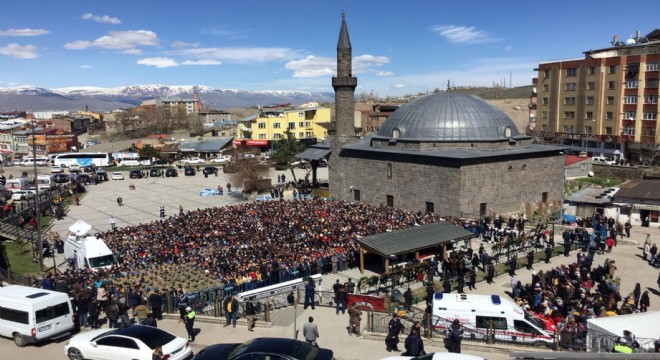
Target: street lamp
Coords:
[[392, 259], [37, 203]]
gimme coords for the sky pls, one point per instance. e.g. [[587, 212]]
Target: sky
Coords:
[[399, 47]]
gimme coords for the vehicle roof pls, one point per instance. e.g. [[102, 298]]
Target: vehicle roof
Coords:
[[483, 303], [149, 335], [29, 294], [279, 345]]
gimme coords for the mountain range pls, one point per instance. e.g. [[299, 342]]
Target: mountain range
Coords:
[[31, 98]]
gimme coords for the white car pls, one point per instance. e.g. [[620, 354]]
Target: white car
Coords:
[[192, 160], [225, 159], [21, 195], [133, 342], [117, 176], [436, 356], [56, 169]]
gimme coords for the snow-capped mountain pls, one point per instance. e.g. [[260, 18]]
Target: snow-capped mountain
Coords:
[[104, 99]]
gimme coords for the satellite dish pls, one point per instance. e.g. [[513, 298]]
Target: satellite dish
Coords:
[[590, 174]]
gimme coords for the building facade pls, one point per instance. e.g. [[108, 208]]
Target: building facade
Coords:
[[605, 103]]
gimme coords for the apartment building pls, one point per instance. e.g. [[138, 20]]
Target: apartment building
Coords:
[[605, 103]]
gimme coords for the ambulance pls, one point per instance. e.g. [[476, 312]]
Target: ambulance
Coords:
[[477, 313]]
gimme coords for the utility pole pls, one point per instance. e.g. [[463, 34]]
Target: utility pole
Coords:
[[37, 203]]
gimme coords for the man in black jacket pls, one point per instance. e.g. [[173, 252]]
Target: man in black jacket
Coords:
[[156, 301], [250, 314], [230, 306]]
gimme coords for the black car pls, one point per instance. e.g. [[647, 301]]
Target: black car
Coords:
[[161, 162], [171, 172], [61, 178], [135, 174], [84, 178], [210, 170], [262, 348], [189, 171], [155, 172]]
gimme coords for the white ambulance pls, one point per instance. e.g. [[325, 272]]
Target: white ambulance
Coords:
[[475, 312]]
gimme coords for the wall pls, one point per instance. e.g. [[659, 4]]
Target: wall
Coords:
[[619, 172]]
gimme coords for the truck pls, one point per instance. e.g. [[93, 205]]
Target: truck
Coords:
[[83, 250], [479, 314]]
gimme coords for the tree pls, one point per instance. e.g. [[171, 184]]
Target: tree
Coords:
[[148, 152], [285, 150], [250, 172]]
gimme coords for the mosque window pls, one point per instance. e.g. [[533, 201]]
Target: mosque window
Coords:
[[389, 170], [507, 132], [390, 200], [396, 133]]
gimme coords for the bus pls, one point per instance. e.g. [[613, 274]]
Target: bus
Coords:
[[82, 159], [129, 159]]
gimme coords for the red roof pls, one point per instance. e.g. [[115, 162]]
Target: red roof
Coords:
[[573, 159]]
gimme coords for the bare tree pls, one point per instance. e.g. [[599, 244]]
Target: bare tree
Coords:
[[251, 173]]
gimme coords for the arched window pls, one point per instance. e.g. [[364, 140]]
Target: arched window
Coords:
[[396, 133]]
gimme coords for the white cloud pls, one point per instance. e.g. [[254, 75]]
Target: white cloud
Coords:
[[366, 63], [399, 86], [118, 40], [183, 44], [202, 62], [159, 62], [313, 66], [23, 32], [462, 34], [105, 19], [134, 51], [85, 66], [19, 51], [243, 55], [384, 73]]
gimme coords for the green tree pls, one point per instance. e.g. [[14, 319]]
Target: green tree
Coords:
[[148, 152], [285, 150]]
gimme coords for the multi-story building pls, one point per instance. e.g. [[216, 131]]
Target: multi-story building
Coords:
[[174, 104], [305, 123], [373, 115], [605, 103]]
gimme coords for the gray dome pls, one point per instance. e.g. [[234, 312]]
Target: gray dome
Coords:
[[448, 116]]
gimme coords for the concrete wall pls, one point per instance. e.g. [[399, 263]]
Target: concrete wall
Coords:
[[619, 172]]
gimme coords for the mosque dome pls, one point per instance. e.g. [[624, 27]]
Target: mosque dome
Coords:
[[448, 116]]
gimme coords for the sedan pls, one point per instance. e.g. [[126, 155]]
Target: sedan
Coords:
[[117, 176], [135, 174], [61, 178], [221, 160], [436, 356], [189, 171], [133, 342], [56, 169], [171, 172], [192, 160], [262, 348], [22, 195], [209, 170]]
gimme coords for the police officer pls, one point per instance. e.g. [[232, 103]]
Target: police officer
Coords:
[[548, 254], [189, 321], [490, 272], [530, 259]]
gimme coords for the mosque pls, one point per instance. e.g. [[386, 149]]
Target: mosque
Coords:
[[447, 153]]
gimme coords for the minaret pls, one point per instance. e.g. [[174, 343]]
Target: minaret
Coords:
[[344, 84]]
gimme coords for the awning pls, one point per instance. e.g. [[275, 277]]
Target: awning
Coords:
[[313, 154], [646, 207]]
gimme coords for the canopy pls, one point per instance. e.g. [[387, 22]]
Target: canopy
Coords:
[[607, 329], [80, 228], [570, 218]]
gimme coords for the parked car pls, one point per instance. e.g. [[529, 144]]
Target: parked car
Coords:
[[117, 176], [133, 342], [210, 170], [135, 174], [84, 178], [56, 169], [302, 164], [101, 175], [264, 348], [155, 172], [603, 160], [223, 159], [61, 178], [87, 169], [22, 195], [189, 171], [171, 172], [192, 160], [161, 162], [74, 168]]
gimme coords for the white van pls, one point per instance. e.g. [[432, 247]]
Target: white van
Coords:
[[83, 250], [476, 312], [31, 315], [17, 184], [40, 161], [46, 182], [603, 160]]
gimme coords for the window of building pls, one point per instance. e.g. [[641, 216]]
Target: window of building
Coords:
[[390, 200], [291, 126], [652, 67], [277, 125], [590, 100], [592, 70], [630, 99], [651, 115], [546, 73], [262, 136], [356, 195], [589, 115], [632, 69], [546, 87], [610, 100], [570, 87], [301, 114], [544, 197], [307, 124], [629, 130], [483, 209], [651, 99], [609, 115], [611, 85], [591, 85], [569, 114], [301, 124], [545, 101], [652, 83], [569, 100], [612, 69], [301, 135], [430, 208], [568, 129], [277, 136], [309, 134], [632, 84], [544, 114], [261, 125], [608, 131], [629, 115], [589, 130], [389, 170], [571, 72]]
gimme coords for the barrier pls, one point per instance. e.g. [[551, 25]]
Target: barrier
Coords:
[[280, 288]]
